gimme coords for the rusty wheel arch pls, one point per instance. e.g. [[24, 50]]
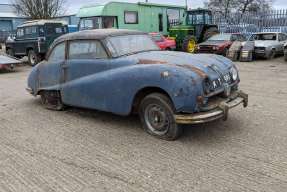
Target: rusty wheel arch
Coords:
[[141, 94]]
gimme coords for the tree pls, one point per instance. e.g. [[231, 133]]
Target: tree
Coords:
[[39, 9], [225, 7], [252, 6]]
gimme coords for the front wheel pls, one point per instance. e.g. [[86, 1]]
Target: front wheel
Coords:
[[33, 58], [157, 116], [189, 44]]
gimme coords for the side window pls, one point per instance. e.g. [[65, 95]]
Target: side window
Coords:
[[58, 53], [83, 49], [131, 17], [20, 32], [41, 31], [28, 30], [86, 24], [282, 37]]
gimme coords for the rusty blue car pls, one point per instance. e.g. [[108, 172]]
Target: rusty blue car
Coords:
[[124, 72]]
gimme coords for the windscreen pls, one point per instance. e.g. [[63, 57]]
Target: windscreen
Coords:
[[264, 37], [129, 44], [220, 37]]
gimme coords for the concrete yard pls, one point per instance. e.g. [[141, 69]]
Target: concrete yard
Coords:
[[81, 150]]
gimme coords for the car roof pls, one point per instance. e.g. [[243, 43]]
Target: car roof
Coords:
[[266, 33], [96, 34], [41, 22]]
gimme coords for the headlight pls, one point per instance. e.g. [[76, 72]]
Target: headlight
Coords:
[[206, 86], [234, 73]]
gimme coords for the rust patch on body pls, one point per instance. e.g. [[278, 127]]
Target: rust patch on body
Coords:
[[196, 70], [190, 67], [148, 61]]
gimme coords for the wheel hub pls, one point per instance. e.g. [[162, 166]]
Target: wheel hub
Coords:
[[191, 46], [156, 119]]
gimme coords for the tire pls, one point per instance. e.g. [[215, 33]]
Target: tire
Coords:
[[10, 52], [33, 58], [157, 116], [225, 52], [271, 55], [52, 100], [187, 44], [209, 33]]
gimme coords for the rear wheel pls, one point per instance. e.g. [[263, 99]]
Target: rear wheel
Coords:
[[10, 52], [157, 116], [189, 44], [52, 100], [33, 58], [209, 33]]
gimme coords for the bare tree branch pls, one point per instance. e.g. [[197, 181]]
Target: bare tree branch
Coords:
[[39, 9]]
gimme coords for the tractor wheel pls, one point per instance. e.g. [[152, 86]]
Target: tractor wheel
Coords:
[[189, 44], [210, 32]]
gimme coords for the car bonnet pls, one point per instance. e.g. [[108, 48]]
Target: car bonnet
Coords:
[[206, 63]]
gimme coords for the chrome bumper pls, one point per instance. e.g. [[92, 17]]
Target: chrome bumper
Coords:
[[221, 112]]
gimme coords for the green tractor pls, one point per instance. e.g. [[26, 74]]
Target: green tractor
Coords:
[[198, 28]]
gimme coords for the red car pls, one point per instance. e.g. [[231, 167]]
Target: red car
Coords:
[[163, 42], [220, 43]]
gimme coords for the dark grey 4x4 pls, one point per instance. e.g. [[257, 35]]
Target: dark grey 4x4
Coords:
[[33, 39]]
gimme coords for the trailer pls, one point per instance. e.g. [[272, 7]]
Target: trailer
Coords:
[[8, 62], [146, 17]]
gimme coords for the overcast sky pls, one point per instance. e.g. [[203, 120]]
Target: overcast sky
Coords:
[[74, 5]]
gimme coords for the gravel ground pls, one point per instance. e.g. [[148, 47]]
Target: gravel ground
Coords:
[[85, 151]]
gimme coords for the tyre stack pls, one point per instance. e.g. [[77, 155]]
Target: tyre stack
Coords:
[[246, 54], [234, 51]]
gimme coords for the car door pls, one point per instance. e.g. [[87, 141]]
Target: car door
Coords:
[[50, 71], [84, 74], [19, 46]]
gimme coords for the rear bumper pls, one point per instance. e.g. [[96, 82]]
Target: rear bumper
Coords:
[[220, 112]]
